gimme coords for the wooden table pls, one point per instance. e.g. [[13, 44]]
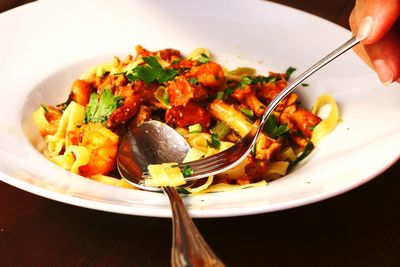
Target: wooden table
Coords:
[[358, 228]]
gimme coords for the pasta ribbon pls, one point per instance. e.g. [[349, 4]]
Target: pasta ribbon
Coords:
[[73, 158], [198, 52], [327, 124], [105, 179], [71, 118], [39, 119], [165, 174], [222, 187]]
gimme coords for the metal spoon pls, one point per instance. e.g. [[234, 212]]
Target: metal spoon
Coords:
[[154, 142]]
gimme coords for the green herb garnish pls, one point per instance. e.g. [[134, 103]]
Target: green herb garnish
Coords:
[[187, 171], [194, 81], [45, 108], [273, 129], [195, 128], [98, 110], [247, 112], [203, 59], [289, 72], [215, 142], [166, 99], [307, 150], [182, 191], [150, 72]]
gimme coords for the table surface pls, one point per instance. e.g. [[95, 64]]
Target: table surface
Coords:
[[358, 228]]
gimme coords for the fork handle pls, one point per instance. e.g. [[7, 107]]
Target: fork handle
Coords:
[[188, 246]]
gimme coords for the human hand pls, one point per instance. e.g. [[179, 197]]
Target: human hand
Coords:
[[375, 22]]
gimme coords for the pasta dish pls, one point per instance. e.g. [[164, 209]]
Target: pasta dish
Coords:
[[212, 107]]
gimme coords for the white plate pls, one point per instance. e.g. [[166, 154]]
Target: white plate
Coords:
[[47, 44]]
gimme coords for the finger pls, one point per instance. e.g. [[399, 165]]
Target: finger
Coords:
[[374, 18], [385, 57], [361, 53]]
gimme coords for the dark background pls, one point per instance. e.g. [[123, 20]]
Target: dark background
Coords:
[[358, 228]]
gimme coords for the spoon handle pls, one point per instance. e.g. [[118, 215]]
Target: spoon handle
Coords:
[[188, 246]]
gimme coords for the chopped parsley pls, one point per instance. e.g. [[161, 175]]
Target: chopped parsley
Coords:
[[150, 72], [203, 59], [289, 72], [194, 81], [98, 110], [215, 142], [248, 80], [45, 108], [247, 112], [166, 98], [195, 128], [187, 170], [273, 129], [307, 150], [182, 191]]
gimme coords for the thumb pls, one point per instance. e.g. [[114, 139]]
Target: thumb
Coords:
[[372, 19]]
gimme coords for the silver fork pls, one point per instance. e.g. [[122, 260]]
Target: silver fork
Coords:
[[232, 156]]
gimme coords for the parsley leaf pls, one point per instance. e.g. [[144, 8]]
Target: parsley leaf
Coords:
[[182, 191], [215, 142], [273, 129], [247, 112], [45, 108], [203, 58], [150, 72], [193, 81], [289, 72], [307, 150], [98, 110], [187, 171]]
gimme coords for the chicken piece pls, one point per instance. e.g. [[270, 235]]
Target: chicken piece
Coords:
[[183, 64], [130, 106], [102, 145], [181, 91], [53, 116], [133, 96], [143, 114], [284, 116], [209, 74], [266, 147], [184, 116], [168, 54], [80, 92], [254, 172], [305, 121], [269, 91], [248, 97]]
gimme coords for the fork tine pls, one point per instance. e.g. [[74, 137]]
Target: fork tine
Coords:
[[200, 163], [207, 160]]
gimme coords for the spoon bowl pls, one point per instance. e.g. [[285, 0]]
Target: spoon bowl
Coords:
[[152, 142]]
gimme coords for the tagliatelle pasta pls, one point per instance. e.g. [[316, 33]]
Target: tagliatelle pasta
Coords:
[[329, 123], [210, 106]]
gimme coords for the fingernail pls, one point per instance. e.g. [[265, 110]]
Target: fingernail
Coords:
[[384, 71], [365, 28]]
